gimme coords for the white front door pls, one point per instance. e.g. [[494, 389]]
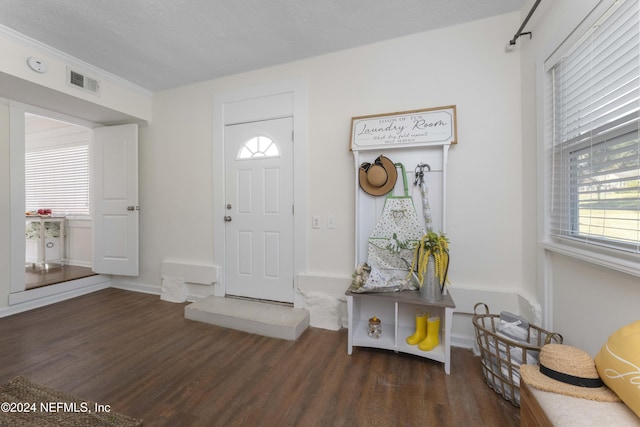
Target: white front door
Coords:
[[115, 200], [259, 209]]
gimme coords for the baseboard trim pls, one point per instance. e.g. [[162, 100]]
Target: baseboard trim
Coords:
[[462, 341], [136, 287], [39, 297]]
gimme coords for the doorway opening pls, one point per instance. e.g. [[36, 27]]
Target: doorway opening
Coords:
[[57, 194], [266, 102]]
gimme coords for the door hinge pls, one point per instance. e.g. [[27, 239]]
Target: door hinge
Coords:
[[292, 138], [293, 210]]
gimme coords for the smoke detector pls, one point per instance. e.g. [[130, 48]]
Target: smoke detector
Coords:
[[36, 64]]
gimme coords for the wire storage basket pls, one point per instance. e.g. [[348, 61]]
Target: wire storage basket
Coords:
[[501, 356]]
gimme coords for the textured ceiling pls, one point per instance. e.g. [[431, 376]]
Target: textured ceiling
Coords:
[[161, 44]]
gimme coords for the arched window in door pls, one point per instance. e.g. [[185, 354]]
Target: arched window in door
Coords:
[[257, 147]]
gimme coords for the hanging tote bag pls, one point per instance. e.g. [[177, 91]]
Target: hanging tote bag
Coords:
[[397, 232]]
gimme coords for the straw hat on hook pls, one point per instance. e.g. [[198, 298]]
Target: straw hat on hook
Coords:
[[379, 177]]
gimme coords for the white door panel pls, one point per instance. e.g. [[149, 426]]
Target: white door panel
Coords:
[[259, 199], [115, 200]]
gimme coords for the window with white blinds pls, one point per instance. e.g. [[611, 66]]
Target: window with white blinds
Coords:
[[595, 159], [58, 179]]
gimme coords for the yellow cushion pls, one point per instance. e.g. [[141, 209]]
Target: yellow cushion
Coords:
[[618, 364]]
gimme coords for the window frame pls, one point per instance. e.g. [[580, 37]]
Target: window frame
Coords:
[[618, 256], [572, 230], [258, 154]]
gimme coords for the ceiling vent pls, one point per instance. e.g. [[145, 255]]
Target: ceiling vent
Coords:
[[82, 81]]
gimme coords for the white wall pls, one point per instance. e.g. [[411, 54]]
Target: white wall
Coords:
[[584, 303], [490, 196], [118, 102], [115, 94], [465, 65], [493, 182], [79, 247]]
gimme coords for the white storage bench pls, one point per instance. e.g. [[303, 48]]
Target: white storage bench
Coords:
[[546, 409]]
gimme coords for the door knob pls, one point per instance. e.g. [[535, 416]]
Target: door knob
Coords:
[[227, 218]]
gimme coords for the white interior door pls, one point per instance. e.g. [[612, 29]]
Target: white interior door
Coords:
[[115, 200], [259, 210]]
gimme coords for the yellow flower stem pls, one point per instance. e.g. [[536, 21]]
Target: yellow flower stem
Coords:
[[434, 245]]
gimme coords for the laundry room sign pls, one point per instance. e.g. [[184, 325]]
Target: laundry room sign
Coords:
[[430, 126]]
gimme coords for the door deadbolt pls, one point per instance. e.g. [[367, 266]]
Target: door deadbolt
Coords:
[[229, 206], [227, 218]]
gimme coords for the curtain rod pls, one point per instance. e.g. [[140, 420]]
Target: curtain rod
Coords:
[[519, 33]]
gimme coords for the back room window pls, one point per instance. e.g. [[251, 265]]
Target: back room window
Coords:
[[56, 166]]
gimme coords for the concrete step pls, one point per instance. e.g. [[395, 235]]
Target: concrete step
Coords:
[[255, 317]]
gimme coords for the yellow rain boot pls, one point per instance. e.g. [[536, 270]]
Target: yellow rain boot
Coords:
[[433, 329], [421, 328]]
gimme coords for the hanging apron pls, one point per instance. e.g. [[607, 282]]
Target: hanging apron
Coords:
[[397, 232]]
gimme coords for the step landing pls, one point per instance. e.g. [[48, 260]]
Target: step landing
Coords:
[[255, 317]]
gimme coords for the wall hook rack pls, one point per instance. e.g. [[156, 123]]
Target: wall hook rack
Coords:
[[419, 173], [421, 167]]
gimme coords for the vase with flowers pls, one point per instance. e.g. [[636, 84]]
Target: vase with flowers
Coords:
[[431, 265]]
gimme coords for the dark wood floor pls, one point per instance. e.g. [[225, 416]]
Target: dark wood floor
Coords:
[[37, 277], [139, 355]]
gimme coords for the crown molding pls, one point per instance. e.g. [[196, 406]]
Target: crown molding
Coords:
[[28, 42]]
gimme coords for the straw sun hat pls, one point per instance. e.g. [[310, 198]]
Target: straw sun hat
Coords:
[[379, 177], [567, 370]]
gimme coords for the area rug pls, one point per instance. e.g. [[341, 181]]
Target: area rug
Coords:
[[23, 403]]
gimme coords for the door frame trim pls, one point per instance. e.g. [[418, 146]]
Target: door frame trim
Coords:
[[19, 298], [221, 101]]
